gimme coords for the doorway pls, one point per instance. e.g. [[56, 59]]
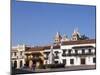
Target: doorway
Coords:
[[15, 64], [83, 61]]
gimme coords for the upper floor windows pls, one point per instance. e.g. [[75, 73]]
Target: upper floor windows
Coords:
[[76, 51], [69, 51], [15, 53], [56, 53], [21, 52], [83, 51], [64, 52], [89, 50]]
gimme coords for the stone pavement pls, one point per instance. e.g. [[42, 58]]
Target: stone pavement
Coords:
[[68, 68]]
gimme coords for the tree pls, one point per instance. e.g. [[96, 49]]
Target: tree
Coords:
[[84, 37]]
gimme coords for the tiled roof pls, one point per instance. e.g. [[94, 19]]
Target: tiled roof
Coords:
[[47, 47], [35, 49], [56, 47], [79, 42], [41, 48], [76, 47]]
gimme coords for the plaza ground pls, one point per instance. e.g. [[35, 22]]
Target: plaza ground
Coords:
[[68, 68]]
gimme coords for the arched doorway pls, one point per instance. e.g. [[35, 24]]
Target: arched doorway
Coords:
[[15, 64], [27, 63], [21, 63]]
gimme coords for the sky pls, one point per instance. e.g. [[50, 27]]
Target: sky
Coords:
[[35, 23]]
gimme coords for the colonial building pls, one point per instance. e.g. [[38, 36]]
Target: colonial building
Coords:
[[71, 52], [34, 56], [23, 55], [18, 56]]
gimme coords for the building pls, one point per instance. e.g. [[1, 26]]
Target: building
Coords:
[[76, 51], [34, 56], [17, 56], [72, 52], [23, 55]]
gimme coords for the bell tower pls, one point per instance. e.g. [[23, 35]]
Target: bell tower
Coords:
[[57, 38], [75, 35]]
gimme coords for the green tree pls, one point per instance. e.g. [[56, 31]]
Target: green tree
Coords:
[[84, 37]]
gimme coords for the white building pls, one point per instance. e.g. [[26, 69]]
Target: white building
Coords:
[[81, 52], [56, 56], [71, 52], [17, 56], [76, 51]]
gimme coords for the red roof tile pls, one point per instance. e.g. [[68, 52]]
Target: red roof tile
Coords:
[[79, 42]]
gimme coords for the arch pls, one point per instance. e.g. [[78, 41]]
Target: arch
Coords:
[[15, 64], [27, 63], [21, 63]]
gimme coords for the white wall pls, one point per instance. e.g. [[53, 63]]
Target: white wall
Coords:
[[89, 59], [70, 46]]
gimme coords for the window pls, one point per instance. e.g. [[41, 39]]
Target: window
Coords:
[[83, 51], [89, 50], [21, 63], [76, 51], [21, 52], [47, 55], [71, 61], [56, 53], [15, 64], [69, 51], [57, 40], [14, 53], [94, 60], [64, 51], [64, 61]]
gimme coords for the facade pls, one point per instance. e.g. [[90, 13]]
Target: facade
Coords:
[[17, 56], [34, 56], [22, 56], [72, 52], [77, 51], [80, 52]]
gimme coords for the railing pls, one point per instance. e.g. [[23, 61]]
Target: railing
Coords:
[[21, 57], [64, 54], [82, 54], [14, 57], [77, 54], [56, 57]]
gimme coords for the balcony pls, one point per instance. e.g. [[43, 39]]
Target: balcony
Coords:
[[64, 54], [56, 57], [82, 54], [14, 57], [21, 57], [78, 54]]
